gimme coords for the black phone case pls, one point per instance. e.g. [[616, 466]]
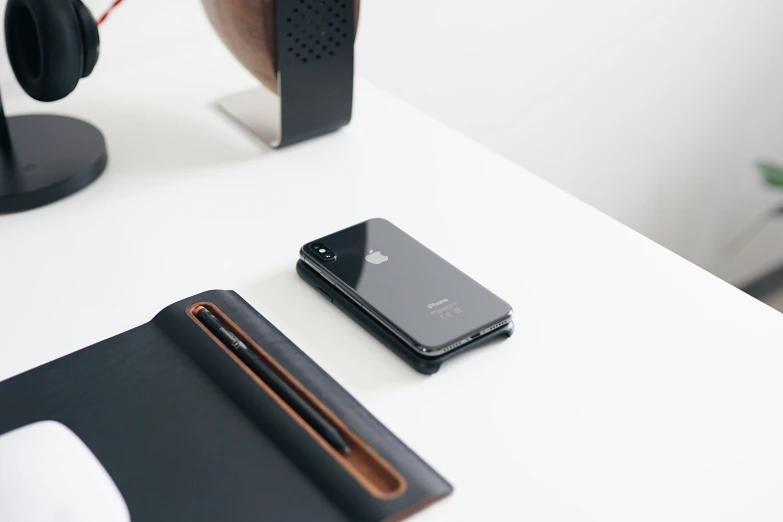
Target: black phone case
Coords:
[[420, 363], [188, 434]]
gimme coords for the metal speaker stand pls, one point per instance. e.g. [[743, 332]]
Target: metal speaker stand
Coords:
[[315, 62]]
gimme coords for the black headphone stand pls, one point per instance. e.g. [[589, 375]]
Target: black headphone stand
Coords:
[[44, 158]]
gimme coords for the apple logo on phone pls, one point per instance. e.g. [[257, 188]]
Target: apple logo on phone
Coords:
[[376, 258]]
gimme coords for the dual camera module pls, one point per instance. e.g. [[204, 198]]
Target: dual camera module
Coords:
[[322, 252]]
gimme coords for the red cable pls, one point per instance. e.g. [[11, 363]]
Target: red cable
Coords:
[[106, 13]]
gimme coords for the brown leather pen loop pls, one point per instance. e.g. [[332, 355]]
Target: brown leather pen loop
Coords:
[[371, 470]]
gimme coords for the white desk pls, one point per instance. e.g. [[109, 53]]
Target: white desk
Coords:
[[637, 386]]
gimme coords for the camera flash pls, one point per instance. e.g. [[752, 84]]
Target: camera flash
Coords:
[[322, 250]]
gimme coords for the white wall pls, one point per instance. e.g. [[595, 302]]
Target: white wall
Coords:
[[652, 111]]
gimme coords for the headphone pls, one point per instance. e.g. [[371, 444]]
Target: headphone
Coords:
[[51, 45]]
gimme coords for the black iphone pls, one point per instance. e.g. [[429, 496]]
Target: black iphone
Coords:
[[425, 303]]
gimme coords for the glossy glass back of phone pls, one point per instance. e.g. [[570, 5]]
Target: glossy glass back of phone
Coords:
[[407, 285]]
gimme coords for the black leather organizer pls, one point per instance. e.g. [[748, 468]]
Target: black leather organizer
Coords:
[[420, 363], [188, 433]]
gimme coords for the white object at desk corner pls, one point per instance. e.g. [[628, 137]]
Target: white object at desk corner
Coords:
[[48, 474]]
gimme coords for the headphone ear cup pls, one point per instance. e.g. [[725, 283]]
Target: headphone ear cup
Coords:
[[45, 45], [91, 41]]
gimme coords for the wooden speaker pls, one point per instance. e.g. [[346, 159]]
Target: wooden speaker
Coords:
[[261, 34]]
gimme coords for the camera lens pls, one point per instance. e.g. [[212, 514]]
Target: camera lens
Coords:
[[322, 252]]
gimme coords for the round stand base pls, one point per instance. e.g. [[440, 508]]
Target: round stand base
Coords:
[[51, 157]]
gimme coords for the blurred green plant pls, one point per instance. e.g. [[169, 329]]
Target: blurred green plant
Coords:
[[773, 177], [773, 174]]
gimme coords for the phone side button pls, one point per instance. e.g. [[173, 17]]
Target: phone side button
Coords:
[[323, 293]]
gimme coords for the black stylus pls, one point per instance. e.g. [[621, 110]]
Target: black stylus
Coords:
[[273, 380]]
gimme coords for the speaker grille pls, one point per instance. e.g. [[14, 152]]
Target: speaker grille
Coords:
[[317, 29], [480, 334]]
